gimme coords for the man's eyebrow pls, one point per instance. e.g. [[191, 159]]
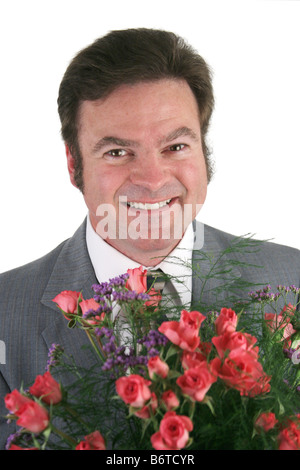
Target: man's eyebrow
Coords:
[[180, 132], [109, 140]]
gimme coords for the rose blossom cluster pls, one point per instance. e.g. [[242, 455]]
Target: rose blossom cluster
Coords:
[[235, 362], [32, 415], [174, 429], [135, 390], [125, 288], [288, 436], [281, 324], [73, 305]]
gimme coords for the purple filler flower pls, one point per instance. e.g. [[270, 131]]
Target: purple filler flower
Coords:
[[264, 294], [121, 358], [129, 296], [152, 339], [105, 288], [54, 354]]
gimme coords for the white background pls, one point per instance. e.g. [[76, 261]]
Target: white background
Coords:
[[253, 49]]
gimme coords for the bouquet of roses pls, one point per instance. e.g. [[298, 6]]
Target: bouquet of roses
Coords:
[[193, 382]]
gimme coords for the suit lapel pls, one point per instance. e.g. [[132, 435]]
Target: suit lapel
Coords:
[[72, 271]]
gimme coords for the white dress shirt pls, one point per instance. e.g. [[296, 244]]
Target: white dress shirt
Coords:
[[109, 263]]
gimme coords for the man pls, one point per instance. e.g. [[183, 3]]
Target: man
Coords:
[[135, 108]]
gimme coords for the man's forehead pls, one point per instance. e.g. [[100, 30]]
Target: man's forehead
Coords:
[[139, 89], [168, 106]]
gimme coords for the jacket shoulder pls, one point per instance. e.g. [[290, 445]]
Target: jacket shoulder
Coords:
[[38, 269], [271, 261], [225, 240]]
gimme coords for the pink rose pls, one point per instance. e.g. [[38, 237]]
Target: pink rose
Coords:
[[241, 370], [192, 359], [91, 304], [266, 421], [93, 441], [226, 321], [67, 301], [158, 367], [173, 432], [184, 333], [235, 340], [154, 300], [15, 400], [195, 382], [148, 409], [281, 322], [137, 280], [289, 437], [46, 388], [170, 400], [134, 390], [33, 417]]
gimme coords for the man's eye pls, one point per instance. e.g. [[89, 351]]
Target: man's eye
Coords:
[[116, 153], [177, 147]]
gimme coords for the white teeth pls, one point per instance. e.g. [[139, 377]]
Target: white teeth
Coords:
[[148, 206]]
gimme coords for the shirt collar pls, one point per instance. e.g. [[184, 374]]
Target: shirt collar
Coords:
[[109, 262]]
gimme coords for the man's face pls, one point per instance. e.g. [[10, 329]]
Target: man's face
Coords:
[[143, 162]]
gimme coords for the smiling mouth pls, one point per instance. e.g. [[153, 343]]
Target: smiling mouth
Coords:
[[148, 205]]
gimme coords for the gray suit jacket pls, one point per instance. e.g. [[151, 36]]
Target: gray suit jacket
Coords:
[[30, 321]]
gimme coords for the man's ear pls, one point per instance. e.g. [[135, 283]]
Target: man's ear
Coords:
[[71, 165]]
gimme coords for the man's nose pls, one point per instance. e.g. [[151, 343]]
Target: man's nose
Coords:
[[150, 171]]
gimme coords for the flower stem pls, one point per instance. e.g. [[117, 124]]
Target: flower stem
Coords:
[[98, 353], [76, 416], [64, 436]]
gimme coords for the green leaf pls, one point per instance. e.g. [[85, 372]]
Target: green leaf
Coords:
[[281, 408], [209, 402], [174, 374], [171, 351], [72, 323]]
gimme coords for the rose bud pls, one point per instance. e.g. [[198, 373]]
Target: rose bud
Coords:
[[170, 400], [33, 417], [67, 301], [46, 388], [158, 367]]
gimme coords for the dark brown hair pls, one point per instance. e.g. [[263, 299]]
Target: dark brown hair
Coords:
[[127, 57]]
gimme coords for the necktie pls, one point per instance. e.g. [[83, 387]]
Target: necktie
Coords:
[[156, 280]]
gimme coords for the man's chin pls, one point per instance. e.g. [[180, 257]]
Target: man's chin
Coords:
[[145, 251]]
